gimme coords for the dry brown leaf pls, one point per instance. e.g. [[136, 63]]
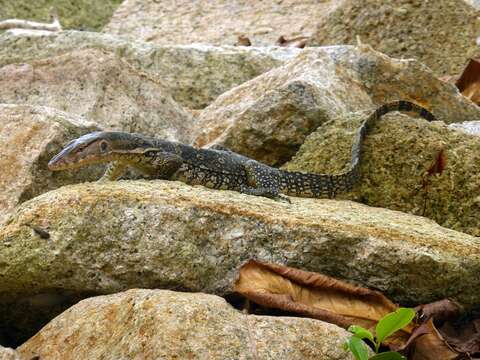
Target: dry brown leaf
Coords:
[[243, 40], [440, 311], [322, 297], [430, 345], [316, 296], [469, 82], [298, 42], [464, 338]]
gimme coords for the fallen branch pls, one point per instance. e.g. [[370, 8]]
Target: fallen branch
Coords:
[[32, 25]]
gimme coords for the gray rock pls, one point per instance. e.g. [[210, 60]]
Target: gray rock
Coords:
[[29, 137], [100, 86], [396, 157], [217, 22], [442, 34], [161, 324], [105, 238], [194, 75], [269, 117], [469, 127], [474, 3]]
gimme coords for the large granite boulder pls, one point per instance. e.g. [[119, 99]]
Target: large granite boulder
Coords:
[[161, 324], [407, 164], [100, 86], [269, 117], [217, 22], [440, 34], [194, 75], [104, 238], [29, 137]]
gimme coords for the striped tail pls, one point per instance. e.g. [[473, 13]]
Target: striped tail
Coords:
[[324, 185], [401, 105]]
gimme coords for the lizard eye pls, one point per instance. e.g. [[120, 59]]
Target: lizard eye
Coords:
[[103, 146]]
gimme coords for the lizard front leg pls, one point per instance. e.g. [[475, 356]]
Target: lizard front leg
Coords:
[[113, 171], [262, 181], [153, 163]]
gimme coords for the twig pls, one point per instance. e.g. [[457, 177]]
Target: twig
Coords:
[[33, 25]]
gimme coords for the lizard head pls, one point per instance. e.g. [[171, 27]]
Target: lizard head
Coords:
[[96, 147]]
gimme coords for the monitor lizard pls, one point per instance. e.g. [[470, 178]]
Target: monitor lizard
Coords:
[[218, 167]]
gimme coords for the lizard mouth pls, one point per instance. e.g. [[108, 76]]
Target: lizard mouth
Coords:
[[59, 162]]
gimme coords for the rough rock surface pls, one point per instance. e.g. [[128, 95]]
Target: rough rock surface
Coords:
[[396, 158], [268, 118], [217, 22], [470, 127], [441, 35], [161, 324], [100, 86], [29, 137], [79, 14], [109, 237], [194, 75], [8, 354]]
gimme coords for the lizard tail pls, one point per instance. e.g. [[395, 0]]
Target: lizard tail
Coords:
[[324, 185], [401, 105]]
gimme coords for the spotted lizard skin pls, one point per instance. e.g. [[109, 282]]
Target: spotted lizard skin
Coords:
[[216, 168]]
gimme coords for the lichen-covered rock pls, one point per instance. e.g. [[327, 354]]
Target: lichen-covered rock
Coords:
[[470, 127], [104, 238], [161, 324], [442, 34], [100, 86], [194, 75], [78, 14], [29, 137], [268, 118], [402, 167], [217, 22]]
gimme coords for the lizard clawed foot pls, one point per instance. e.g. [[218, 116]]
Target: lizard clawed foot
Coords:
[[282, 197]]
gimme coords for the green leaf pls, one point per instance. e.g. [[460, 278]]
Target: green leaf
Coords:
[[393, 322], [361, 332], [358, 348], [389, 355]]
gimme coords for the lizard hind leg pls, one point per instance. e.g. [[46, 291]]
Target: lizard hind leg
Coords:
[[262, 181]]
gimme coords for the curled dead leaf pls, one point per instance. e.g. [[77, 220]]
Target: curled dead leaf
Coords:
[[316, 296], [428, 344], [469, 81], [325, 298], [441, 310]]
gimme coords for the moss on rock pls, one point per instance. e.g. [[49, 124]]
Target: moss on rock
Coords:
[[73, 14], [395, 159]]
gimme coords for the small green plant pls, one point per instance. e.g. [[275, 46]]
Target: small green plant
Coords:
[[389, 324]]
